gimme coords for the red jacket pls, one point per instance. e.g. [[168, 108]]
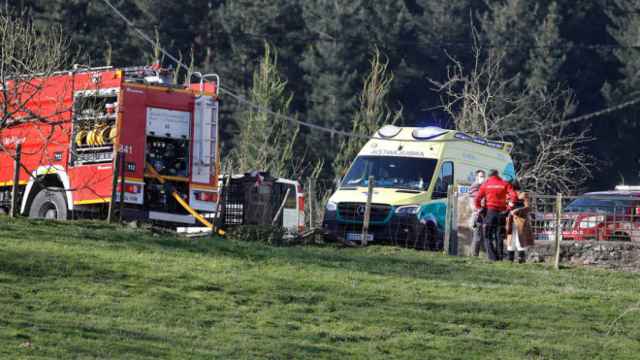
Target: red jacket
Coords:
[[495, 192]]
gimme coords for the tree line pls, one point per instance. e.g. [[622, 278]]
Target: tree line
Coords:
[[564, 57]]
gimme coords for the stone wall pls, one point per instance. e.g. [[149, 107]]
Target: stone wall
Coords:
[[606, 254]]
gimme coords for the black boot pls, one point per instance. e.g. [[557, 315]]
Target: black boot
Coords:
[[522, 257], [511, 255]]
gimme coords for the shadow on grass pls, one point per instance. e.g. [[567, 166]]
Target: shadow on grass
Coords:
[[376, 260], [115, 342], [39, 264]]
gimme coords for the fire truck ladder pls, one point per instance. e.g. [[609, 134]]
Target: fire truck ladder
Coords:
[[204, 126]]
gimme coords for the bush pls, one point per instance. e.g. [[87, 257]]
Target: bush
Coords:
[[268, 234]]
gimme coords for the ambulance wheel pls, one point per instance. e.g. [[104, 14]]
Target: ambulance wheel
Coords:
[[49, 204], [429, 238], [423, 238], [619, 236]]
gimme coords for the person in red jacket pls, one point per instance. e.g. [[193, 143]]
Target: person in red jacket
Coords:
[[496, 193]]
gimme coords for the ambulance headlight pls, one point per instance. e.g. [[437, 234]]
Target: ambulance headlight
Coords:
[[331, 206], [408, 210]]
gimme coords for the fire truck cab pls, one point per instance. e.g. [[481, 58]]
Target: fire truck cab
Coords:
[[73, 128]]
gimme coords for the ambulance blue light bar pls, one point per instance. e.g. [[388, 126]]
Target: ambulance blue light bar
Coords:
[[427, 133], [479, 140], [389, 131]]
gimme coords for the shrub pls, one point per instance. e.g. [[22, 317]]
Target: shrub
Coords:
[[268, 234]]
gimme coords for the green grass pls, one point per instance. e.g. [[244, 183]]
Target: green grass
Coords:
[[89, 290]]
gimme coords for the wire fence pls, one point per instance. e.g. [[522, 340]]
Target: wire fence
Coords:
[[612, 217], [599, 217], [451, 225]]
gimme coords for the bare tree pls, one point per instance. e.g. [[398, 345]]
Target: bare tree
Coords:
[[483, 101], [372, 114], [317, 192], [28, 56]]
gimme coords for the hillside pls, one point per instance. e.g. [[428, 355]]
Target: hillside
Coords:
[[89, 290]]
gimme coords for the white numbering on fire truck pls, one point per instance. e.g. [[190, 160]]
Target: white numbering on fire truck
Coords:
[[126, 148]]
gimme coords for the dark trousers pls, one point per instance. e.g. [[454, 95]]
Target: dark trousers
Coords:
[[494, 233], [477, 240]]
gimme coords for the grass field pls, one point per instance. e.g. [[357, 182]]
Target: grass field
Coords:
[[89, 290]]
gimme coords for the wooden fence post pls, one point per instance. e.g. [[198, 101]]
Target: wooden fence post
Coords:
[[453, 236], [311, 196], [114, 188], [16, 182], [558, 230], [284, 202], [448, 222], [367, 212]]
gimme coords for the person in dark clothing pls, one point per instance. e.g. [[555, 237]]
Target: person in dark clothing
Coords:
[[519, 233], [495, 192], [478, 215]]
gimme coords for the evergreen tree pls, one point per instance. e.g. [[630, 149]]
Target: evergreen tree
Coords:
[[442, 30], [372, 114], [548, 53], [91, 26], [331, 64], [266, 142], [506, 28], [625, 124], [626, 31], [391, 29]]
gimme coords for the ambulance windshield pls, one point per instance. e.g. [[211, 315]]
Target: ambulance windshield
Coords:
[[410, 173]]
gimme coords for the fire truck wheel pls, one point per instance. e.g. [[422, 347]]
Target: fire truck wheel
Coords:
[[49, 204]]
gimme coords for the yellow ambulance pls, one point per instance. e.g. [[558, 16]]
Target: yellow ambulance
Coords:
[[412, 169]]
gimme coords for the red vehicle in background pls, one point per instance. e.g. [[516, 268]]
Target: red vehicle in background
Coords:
[[167, 132], [602, 216]]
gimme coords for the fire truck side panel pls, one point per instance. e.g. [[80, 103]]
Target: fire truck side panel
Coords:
[[91, 183], [42, 144], [42, 130], [131, 133]]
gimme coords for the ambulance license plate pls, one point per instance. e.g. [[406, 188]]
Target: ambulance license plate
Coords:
[[358, 237]]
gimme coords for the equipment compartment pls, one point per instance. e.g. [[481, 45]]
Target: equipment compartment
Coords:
[[170, 157], [94, 126]]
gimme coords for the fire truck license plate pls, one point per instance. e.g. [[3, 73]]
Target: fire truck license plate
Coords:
[[358, 237]]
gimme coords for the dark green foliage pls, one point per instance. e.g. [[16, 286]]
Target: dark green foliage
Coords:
[[587, 46], [625, 29]]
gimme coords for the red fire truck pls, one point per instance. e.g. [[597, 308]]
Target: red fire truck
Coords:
[[168, 134]]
